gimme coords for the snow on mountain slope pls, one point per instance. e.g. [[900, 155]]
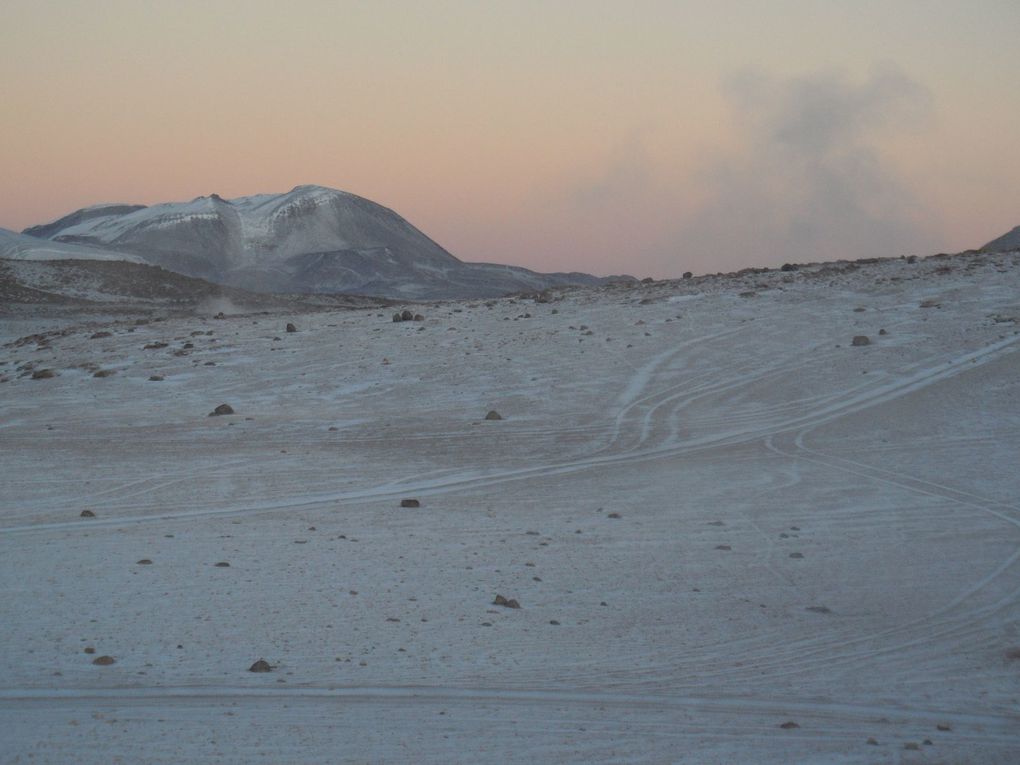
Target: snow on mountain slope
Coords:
[[14, 246], [311, 239], [1005, 243]]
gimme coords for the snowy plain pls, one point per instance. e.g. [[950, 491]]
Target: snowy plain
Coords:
[[734, 536]]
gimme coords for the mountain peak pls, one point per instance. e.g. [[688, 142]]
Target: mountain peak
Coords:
[[310, 239]]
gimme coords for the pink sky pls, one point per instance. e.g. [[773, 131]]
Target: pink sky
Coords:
[[648, 137]]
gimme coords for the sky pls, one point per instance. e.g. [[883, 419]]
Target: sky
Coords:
[[643, 137]]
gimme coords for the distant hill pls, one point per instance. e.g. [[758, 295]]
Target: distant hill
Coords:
[[311, 239], [1009, 241]]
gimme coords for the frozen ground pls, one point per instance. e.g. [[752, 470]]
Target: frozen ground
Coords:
[[718, 517]]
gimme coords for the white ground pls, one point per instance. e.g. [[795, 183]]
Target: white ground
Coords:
[[747, 422]]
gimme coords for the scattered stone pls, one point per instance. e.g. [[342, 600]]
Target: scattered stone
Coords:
[[911, 746], [930, 304], [872, 742], [554, 623], [723, 547], [221, 409], [105, 373], [87, 514], [99, 335], [688, 275], [104, 661], [406, 315], [89, 649], [927, 742], [789, 725], [796, 556], [156, 378], [819, 610], [222, 564], [43, 374], [883, 332], [397, 317], [410, 503], [155, 346], [499, 600], [860, 340], [944, 727], [220, 315], [614, 515], [419, 317], [260, 666], [144, 562], [493, 415], [291, 327], [859, 309]]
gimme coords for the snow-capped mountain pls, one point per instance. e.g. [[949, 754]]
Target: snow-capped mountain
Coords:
[[311, 239]]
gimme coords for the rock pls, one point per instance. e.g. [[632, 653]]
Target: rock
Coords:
[[89, 649], [105, 373], [410, 503], [43, 374], [104, 661], [796, 556], [493, 415], [221, 409], [397, 316], [614, 515], [144, 562], [818, 610], [688, 275], [156, 378], [260, 666], [291, 327], [499, 600], [911, 746], [789, 725], [222, 564], [930, 304], [419, 317], [554, 623], [860, 340], [871, 742], [944, 727], [220, 315], [154, 346], [87, 514], [788, 267], [100, 335], [883, 332], [406, 315], [723, 547]]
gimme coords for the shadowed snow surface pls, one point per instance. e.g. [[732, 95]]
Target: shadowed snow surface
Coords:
[[717, 516]]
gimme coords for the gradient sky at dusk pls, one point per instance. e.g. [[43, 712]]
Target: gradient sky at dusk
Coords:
[[645, 137]]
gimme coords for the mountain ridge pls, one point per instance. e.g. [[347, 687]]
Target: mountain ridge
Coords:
[[311, 239]]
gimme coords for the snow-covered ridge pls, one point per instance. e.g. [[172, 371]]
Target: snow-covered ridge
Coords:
[[14, 246], [310, 239]]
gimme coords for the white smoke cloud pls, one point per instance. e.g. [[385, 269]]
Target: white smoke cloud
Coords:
[[810, 182]]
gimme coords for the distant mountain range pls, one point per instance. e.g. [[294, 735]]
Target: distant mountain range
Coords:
[[309, 240]]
